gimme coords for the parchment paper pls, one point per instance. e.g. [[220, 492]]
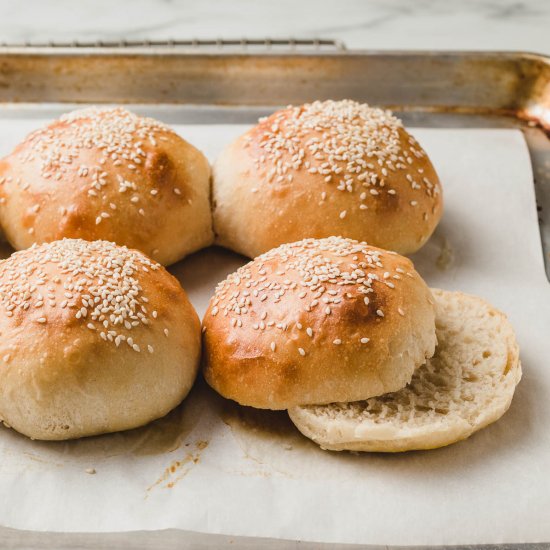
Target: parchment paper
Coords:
[[212, 466]]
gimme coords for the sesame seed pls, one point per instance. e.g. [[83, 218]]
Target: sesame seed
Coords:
[[328, 271], [273, 346], [337, 341], [301, 351], [349, 144], [114, 133], [365, 340], [98, 281]]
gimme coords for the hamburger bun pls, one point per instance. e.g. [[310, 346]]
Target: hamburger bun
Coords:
[[317, 321], [468, 384], [105, 173], [321, 169], [96, 338]]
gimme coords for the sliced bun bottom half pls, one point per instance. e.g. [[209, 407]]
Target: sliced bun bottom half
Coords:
[[468, 384]]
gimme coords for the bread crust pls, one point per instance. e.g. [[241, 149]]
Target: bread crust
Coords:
[[107, 174], [468, 384], [273, 185], [292, 327], [124, 363]]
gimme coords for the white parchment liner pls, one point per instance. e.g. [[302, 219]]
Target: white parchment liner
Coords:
[[214, 467]]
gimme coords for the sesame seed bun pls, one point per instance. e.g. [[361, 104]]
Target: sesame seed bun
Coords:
[[317, 321], [107, 174], [95, 338], [468, 384], [321, 169]]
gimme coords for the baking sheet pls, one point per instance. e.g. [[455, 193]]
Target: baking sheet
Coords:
[[215, 467]]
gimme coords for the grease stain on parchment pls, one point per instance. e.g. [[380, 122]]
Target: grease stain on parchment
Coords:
[[446, 256], [269, 439], [179, 468], [161, 436]]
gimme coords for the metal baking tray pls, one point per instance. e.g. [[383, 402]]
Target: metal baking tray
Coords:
[[236, 81]]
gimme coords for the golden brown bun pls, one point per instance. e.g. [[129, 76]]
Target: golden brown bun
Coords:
[[322, 169], [107, 174], [468, 384], [293, 327], [95, 338]]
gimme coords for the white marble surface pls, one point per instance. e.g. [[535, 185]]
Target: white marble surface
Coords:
[[377, 24]]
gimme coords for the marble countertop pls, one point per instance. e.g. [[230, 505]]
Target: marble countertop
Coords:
[[370, 24], [520, 25]]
